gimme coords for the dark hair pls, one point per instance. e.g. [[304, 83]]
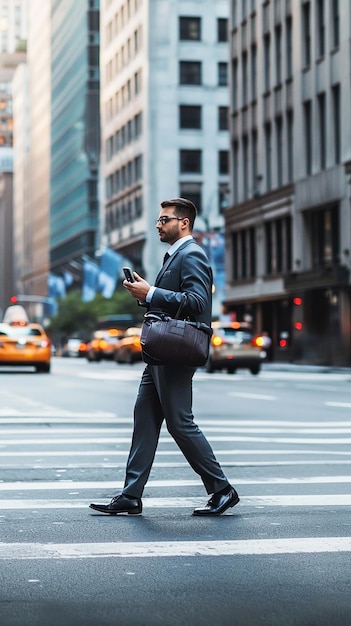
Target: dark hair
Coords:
[[183, 208]]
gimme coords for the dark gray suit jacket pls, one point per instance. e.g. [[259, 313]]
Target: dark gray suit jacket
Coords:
[[187, 270]]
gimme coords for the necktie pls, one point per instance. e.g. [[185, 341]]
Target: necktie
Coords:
[[166, 257]]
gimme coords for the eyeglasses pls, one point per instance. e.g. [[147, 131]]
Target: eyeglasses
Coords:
[[165, 219]]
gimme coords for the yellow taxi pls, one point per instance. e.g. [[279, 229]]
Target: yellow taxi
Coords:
[[102, 344], [128, 349], [23, 343]]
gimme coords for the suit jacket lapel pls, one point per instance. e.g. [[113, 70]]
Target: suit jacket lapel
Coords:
[[170, 260]]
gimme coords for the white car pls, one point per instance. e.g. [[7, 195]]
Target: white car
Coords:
[[234, 346]]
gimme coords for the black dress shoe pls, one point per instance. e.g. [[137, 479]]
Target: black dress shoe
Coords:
[[120, 504], [219, 503]]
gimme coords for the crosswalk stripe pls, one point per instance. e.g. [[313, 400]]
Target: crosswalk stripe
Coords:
[[344, 405], [112, 418], [295, 545], [53, 412], [60, 485], [214, 438], [228, 452], [326, 500], [209, 429]]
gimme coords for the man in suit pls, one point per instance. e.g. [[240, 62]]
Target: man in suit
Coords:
[[165, 391]]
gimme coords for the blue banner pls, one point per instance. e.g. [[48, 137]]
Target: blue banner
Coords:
[[90, 280], [110, 263]]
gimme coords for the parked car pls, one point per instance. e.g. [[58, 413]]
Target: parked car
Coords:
[[234, 346], [102, 344], [23, 343], [128, 349], [74, 347]]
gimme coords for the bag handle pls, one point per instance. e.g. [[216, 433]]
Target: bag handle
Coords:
[[181, 306]]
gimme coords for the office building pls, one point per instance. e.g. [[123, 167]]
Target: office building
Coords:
[[75, 132], [164, 109], [32, 159], [288, 227], [12, 54]]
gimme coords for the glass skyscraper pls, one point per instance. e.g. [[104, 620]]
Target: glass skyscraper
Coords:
[[75, 134]]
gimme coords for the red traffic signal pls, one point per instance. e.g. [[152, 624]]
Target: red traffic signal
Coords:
[[297, 301], [13, 299]]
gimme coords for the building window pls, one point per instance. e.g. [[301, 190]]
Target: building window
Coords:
[[223, 162], [222, 74], [254, 156], [235, 171], [137, 82], [323, 233], [193, 192], [223, 118], [235, 83], [246, 166], [306, 25], [289, 46], [138, 206], [322, 130], [279, 140], [190, 28], [253, 71], [245, 77], [244, 254], [320, 28], [137, 125], [336, 122], [267, 61], [222, 198], [290, 145], [307, 109], [190, 161], [278, 245], [222, 29], [190, 73], [190, 117], [268, 151], [138, 168], [278, 54], [335, 24]]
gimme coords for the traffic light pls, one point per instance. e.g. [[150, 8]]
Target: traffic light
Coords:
[[297, 301], [13, 299]]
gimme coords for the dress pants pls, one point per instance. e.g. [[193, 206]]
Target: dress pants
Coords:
[[165, 393]]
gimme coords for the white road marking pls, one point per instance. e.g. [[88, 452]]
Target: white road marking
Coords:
[[211, 429], [52, 412], [296, 545], [112, 418], [340, 405], [173, 464], [174, 452], [200, 376], [251, 396], [64, 485], [119, 440], [326, 500]]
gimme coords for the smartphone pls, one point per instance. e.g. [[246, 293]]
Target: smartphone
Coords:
[[128, 274]]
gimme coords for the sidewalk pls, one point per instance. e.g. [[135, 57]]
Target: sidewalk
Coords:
[[312, 369]]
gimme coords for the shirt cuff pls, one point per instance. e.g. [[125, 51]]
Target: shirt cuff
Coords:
[[149, 294]]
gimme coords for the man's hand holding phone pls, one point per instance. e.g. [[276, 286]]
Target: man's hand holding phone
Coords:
[[136, 285]]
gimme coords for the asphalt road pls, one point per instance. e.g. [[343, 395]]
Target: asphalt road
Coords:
[[280, 558]]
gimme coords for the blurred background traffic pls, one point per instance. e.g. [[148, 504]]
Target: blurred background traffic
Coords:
[[107, 107]]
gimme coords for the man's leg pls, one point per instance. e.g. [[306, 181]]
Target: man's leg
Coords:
[[174, 386], [148, 418]]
